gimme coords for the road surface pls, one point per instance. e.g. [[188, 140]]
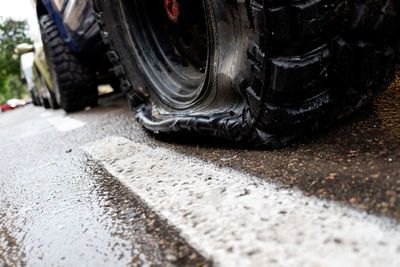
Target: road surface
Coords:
[[93, 188]]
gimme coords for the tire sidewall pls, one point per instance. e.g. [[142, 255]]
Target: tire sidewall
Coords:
[[51, 67], [224, 64]]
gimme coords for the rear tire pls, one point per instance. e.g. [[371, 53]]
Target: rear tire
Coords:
[[34, 98], [53, 99], [276, 70], [72, 75], [46, 103], [50, 96]]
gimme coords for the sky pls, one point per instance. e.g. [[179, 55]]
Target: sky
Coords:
[[20, 9]]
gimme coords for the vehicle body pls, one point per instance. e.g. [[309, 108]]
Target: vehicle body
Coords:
[[41, 78], [27, 76], [12, 104], [75, 21], [36, 75], [4, 107], [74, 50], [15, 103]]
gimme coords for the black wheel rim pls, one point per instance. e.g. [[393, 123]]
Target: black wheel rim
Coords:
[[171, 44]]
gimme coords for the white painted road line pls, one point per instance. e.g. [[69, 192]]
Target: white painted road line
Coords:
[[65, 123], [46, 114], [239, 220]]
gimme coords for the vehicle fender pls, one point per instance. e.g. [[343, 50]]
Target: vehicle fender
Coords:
[[75, 21]]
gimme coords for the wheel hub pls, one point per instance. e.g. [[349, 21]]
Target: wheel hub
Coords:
[[172, 9], [172, 38]]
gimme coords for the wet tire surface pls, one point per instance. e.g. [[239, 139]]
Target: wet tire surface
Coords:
[[306, 65]]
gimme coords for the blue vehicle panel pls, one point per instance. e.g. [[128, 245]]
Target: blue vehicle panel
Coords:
[[75, 21]]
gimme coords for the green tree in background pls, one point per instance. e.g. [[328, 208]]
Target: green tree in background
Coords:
[[12, 32]]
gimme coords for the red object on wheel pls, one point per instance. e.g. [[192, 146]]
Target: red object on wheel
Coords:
[[172, 9]]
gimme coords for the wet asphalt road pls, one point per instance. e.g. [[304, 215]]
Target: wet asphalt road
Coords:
[[58, 206]]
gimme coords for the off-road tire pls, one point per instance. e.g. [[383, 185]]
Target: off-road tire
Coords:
[[307, 64], [46, 103], [53, 100], [50, 99], [35, 100], [72, 74]]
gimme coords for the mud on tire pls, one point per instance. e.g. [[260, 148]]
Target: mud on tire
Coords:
[[72, 75], [276, 70]]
